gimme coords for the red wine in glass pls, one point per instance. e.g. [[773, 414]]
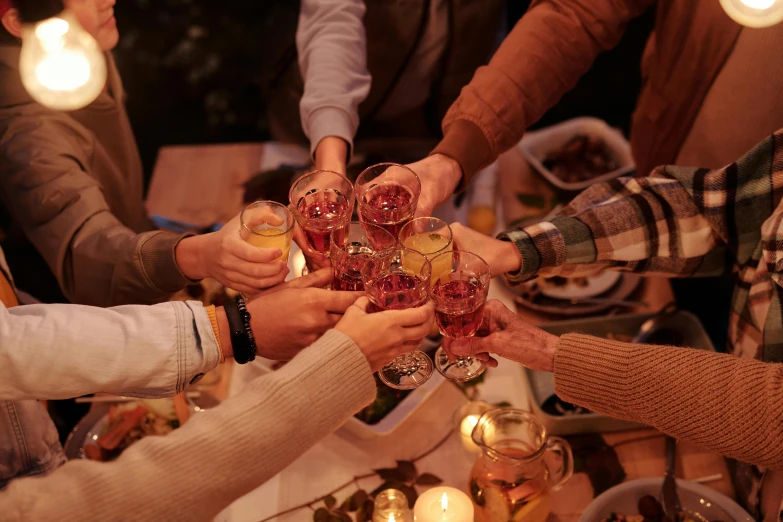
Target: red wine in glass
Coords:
[[388, 206], [396, 292], [459, 294], [463, 317], [351, 248], [398, 280], [320, 218]]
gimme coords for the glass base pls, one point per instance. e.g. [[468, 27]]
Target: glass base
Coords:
[[462, 370], [407, 372]]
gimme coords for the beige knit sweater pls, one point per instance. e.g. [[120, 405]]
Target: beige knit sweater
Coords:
[[725, 404], [218, 456]]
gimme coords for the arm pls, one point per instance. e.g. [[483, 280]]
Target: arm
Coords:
[[60, 206], [62, 351], [217, 456], [702, 397], [542, 58], [330, 41], [677, 222]]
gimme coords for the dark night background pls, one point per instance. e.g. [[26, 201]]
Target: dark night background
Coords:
[[195, 72]]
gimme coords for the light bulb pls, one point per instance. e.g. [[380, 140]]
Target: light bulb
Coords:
[[61, 65], [754, 13]]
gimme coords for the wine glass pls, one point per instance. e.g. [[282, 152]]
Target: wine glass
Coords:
[[459, 296], [267, 224], [387, 194], [396, 280], [322, 201], [351, 248], [430, 236]]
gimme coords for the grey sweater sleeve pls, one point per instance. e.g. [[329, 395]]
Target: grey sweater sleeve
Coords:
[[218, 456], [331, 43]]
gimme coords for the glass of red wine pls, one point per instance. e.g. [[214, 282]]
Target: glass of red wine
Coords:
[[387, 194], [321, 201], [351, 248], [459, 295], [397, 280]]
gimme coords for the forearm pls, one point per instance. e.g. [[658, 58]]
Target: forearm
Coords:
[[542, 58], [648, 225], [702, 397], [61, 351], [218, 456], [331, 44]]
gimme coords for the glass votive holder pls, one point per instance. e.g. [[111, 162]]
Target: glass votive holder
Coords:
[[466, 418], [391, 505]]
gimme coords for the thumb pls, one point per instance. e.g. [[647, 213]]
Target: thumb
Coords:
[[318, 279]]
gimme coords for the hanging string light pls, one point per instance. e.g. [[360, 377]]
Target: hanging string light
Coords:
[[61, 65], [754, 13]]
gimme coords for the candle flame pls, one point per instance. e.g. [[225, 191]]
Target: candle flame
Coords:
[[391, 518], [444, 502]]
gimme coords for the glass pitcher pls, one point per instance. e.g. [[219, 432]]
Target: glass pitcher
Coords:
[[519, 467]]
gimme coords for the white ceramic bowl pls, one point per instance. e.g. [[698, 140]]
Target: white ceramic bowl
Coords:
[[624, 499], [536, 145]]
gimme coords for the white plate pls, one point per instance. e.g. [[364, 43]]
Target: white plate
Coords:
[[536, 145], [596, 285], [624, 498]]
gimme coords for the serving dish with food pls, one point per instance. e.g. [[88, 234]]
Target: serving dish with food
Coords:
[[562, 418], [637, 501], [576, 153]]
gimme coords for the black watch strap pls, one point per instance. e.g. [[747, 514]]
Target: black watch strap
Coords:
[[242, 341]]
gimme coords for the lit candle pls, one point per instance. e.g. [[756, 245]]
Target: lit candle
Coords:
[[466, 432], [443, 504]]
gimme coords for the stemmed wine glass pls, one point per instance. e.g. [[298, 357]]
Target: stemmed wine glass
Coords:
[[397, 280], [351, 248], [321, 201], [430, 236], [459, 295], [387, 195]]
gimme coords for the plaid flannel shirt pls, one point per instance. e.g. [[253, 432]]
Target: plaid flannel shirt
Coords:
[[680, 222]]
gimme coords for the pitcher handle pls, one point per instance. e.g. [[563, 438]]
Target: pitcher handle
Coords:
[[559, 477]]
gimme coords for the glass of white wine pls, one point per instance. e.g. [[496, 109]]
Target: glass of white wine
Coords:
[[268, 224], [429, 236]]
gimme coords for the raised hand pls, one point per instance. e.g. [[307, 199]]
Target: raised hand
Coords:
[[501, 256]]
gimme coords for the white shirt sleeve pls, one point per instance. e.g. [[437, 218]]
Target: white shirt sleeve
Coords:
[[330, 40]]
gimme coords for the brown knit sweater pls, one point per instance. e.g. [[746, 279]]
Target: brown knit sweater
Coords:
[[725, 404]]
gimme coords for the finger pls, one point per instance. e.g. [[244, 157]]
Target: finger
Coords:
[[253, 254], [318, 279], [333, 319], [337, 301], [256, 270], [487, 360], [412, 316], [472, 346], [362, 303], [252, 284], [416, 332]]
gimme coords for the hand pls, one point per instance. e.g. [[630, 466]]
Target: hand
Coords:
[[503, 333], [382, 336], [501, 256], [226, 257], [440, 176], [331, 153], [315, 260], [295, 314]]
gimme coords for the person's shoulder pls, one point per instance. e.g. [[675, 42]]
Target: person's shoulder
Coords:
[[31, 133]]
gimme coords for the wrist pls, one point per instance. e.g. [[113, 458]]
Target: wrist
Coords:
[[449, 169], [550, 350], [187, 255], [225, 333], [510, 258], [331, 153]]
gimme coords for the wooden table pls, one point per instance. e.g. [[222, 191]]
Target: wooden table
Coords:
[[203, 185]]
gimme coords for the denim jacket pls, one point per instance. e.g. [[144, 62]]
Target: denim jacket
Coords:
[[57, 351]]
